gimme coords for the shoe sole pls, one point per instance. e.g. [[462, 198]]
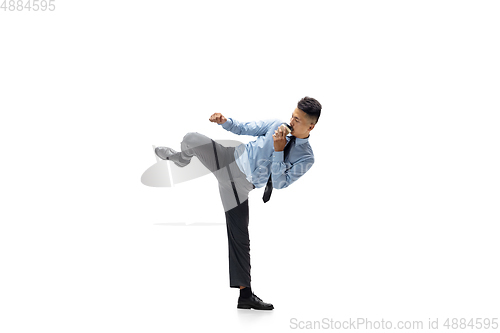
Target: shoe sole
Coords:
[[250, 307]]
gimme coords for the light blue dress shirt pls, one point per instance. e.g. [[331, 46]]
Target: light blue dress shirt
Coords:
[[257, 159]]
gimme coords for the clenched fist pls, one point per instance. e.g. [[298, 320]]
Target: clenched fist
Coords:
[[217, 118], [279, 138]]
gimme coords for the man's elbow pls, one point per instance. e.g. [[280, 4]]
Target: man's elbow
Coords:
[[280, 184]]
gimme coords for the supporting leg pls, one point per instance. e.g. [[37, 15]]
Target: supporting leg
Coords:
[[239, 246]]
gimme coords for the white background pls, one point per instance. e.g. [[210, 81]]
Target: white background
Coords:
[[397, 220]]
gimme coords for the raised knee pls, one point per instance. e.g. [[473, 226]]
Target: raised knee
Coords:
[[191, 139]]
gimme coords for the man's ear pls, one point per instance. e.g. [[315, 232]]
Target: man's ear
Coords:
[[311, 127]]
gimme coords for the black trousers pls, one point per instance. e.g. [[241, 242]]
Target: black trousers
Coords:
[[234, 189]]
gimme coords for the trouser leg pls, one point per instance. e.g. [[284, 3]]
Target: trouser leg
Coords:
[[199, 145], [233, 185], [239, 246], [234, 189]]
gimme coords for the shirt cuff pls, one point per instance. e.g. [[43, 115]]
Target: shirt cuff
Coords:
[[278, 156], [227, 124]]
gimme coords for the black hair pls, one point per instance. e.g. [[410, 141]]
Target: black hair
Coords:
[[310, 106]]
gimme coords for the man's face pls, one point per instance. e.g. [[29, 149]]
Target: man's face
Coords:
[[301, 124]]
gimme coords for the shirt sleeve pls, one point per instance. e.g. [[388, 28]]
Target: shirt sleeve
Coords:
[[283, 174], [254, 128]]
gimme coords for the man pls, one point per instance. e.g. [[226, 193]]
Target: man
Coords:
[[274, 160]]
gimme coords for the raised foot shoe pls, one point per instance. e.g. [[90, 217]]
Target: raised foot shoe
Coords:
[[166, 153], [253, 302]]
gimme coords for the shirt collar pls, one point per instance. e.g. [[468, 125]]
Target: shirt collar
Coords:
[[298, 141]]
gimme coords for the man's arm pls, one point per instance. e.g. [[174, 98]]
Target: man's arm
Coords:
[[255, 128], [282, 176]]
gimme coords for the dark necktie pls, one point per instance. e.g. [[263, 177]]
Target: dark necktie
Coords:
[[269, 186]]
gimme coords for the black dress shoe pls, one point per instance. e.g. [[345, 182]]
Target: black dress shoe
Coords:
[[253, 302]]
